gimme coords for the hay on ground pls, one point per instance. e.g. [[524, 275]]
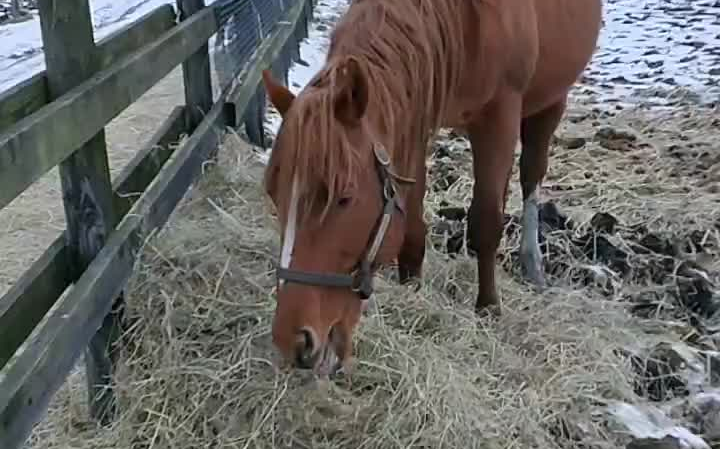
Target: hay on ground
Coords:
[[199, 370]]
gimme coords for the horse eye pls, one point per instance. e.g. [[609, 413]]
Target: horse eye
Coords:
[[344, 201]]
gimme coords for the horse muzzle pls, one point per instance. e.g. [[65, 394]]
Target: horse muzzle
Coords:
[[311, 354]]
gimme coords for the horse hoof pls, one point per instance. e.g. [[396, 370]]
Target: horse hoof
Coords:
[[413, 283], [365, 305], [488, 308], [537, 281], [492, 311], [407, 276], [345, 368], [532, 271]]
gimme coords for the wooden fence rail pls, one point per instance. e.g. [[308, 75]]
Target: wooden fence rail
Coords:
[[32, 94], [71, 298]]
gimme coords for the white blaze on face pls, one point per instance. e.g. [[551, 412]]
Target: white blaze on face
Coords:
[[290, 229]]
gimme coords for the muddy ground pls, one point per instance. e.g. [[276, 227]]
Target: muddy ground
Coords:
[[631, 212]]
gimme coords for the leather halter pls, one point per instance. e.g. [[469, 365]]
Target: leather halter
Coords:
[[361, 279]]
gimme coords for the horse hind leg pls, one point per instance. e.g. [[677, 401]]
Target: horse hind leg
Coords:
[[536, 131]]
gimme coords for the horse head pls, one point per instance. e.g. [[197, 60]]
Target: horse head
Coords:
[[339, 204]]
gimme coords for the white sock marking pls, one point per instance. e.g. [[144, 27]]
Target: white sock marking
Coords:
[[529, 243]]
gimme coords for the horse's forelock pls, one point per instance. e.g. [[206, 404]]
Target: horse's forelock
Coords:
[[315, 147]]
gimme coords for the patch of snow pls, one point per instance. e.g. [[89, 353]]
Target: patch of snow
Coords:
[[645, 47], [649, 422], [649, 48], [313, 51], [707, 399], [21, 53]]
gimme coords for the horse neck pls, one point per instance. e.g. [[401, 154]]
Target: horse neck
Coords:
[[409, 81], [403, 127], [394, 116]]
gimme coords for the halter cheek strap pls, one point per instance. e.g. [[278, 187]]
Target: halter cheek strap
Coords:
[[361, 280]]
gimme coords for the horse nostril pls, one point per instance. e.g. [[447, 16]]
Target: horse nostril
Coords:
[[305, 349]]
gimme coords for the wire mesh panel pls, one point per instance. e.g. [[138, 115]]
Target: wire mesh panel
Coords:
[[269, 12], [238, 37], [244, 25]]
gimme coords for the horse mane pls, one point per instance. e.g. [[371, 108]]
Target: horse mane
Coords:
[[409, 53]]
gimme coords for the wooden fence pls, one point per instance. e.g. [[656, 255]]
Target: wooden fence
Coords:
[[71, 299]]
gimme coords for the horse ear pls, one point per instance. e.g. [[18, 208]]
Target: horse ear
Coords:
[[351, 98], [279, 95]]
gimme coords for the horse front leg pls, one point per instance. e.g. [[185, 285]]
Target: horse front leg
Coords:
[[493, 139], [412, 252]]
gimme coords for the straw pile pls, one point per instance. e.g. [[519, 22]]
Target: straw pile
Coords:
[[199, 371]]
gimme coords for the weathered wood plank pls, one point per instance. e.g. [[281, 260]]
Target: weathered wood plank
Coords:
[[144, 166], [34, 373], [249, 79], [37, 143], [24, 305], [30, 95], [27, 301], [40, 365], [135, 35], [23, 99], [196, 72], [71, 58]]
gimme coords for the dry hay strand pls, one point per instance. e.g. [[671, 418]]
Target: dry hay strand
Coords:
[[199, 371], [640, 188]]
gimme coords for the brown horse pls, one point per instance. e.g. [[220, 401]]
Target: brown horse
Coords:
[[347, 172]]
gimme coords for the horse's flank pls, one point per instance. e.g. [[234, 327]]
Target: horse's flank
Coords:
[[373, 57]]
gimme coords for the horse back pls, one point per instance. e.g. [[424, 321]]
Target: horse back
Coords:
[[567, 33], [536, 47]]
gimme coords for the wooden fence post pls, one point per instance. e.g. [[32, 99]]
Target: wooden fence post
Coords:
[[196, 73], [71, 58]]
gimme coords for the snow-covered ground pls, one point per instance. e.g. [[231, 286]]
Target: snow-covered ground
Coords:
[[647, 46], [312, 52], [652, 48], [21, 54], [648, 50]]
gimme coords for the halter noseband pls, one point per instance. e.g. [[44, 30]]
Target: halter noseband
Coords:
[[360, 280]]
